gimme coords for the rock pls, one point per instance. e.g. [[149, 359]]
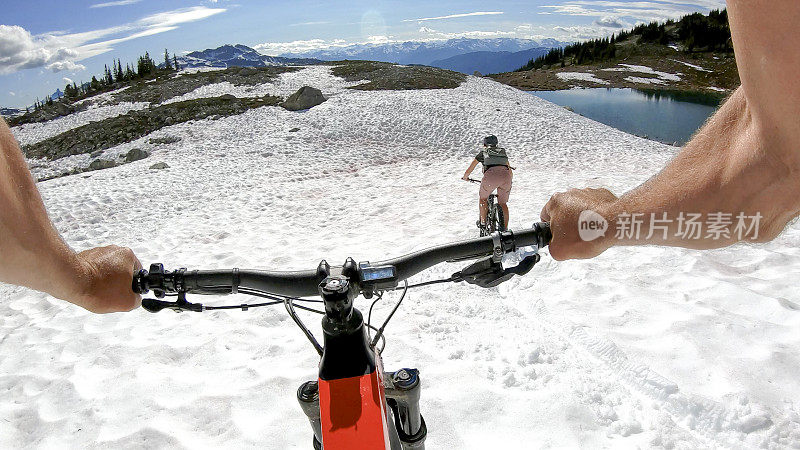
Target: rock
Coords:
[[169, 121], [569, 108], [305, 98], [227, 97], [96, 154], [98, 164], [159, 166], [247, 71], [477, 74], [135, 154], [294, 130], [165, 140]]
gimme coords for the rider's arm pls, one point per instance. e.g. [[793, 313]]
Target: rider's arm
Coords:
[[33, 254], [745, 160], [470, 169]]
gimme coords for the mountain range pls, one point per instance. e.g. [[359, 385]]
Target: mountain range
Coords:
[[461, 55], [9, 112], [237, 56], [424, 52], [489, 62]]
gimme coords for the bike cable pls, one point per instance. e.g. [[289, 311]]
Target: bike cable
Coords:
[[369, 323], [380, 330]]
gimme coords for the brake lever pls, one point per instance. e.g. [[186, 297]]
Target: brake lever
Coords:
[[488, 273], [152, 305]]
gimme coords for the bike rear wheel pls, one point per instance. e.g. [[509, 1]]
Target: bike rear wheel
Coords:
[[494, 220], [501, 217]]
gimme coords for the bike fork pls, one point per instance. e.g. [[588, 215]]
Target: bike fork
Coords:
[[402, 395]]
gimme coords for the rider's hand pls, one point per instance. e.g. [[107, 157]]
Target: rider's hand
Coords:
[[465, 178], [105, 285], [563, 212]]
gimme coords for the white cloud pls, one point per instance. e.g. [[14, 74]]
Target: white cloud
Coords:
[[12, 93], [277, 48], [610, 22], [116, 3], [58, 66], [60, 51], [67, 80], [638, 11], [435, 35], [379, 39], [454, 16], [304, 24]]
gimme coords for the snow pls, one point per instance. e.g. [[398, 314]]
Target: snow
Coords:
[[644, 80], [644, 69], [36, 132], [693, 66], [286, 84], [101, 99], [714, 88], [190, 70], [582, 76], [638, 348]]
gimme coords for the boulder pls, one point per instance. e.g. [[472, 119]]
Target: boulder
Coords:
[[98, 164], [477, 74], [227, 97], [135, 154], [294, 130], [159, 166], [305, 98], [95, 154]]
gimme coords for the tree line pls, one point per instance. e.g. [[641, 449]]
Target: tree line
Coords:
[[693, 32], [112, 77]]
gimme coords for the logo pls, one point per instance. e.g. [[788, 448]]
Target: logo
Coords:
[[591, 225]]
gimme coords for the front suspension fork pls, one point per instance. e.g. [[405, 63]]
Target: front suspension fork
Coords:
[[402, 396]]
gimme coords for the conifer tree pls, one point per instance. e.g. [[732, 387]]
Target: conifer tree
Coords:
[[167, 62], [175, 62]]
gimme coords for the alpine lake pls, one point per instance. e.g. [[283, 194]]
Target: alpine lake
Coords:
[[671, 117]]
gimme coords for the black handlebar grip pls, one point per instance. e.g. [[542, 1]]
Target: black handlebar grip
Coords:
[[139, 284], [546, 234]]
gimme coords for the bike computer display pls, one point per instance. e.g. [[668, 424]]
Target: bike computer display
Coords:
[[377, 277]]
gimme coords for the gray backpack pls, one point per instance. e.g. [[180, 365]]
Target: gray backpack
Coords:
[[495, 156]]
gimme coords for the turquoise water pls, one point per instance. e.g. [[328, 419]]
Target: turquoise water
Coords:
[[664, 117]]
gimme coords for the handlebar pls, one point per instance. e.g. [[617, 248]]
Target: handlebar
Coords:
[[306, 283]]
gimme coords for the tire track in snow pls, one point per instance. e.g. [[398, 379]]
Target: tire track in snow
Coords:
[[733, 424]]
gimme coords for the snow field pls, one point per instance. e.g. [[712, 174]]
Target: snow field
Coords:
[[582, 76], [662, 76], [640, 347], [31, 133], [285, 85]]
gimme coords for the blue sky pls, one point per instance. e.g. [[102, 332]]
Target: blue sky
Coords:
[[45, 43]]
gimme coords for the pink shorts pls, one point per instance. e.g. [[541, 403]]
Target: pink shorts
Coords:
[[496, 177]]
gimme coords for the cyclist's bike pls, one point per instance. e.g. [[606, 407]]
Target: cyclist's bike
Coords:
[[353, 404], [495, 219]]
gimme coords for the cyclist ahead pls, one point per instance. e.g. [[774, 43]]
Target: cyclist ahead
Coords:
[[496, 175]]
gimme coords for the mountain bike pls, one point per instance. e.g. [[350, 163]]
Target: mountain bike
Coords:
[[495, 219], [353, 404]]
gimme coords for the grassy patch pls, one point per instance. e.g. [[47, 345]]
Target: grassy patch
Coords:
[[387, 76], [157, 89], [170, 86], [118, 130]]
